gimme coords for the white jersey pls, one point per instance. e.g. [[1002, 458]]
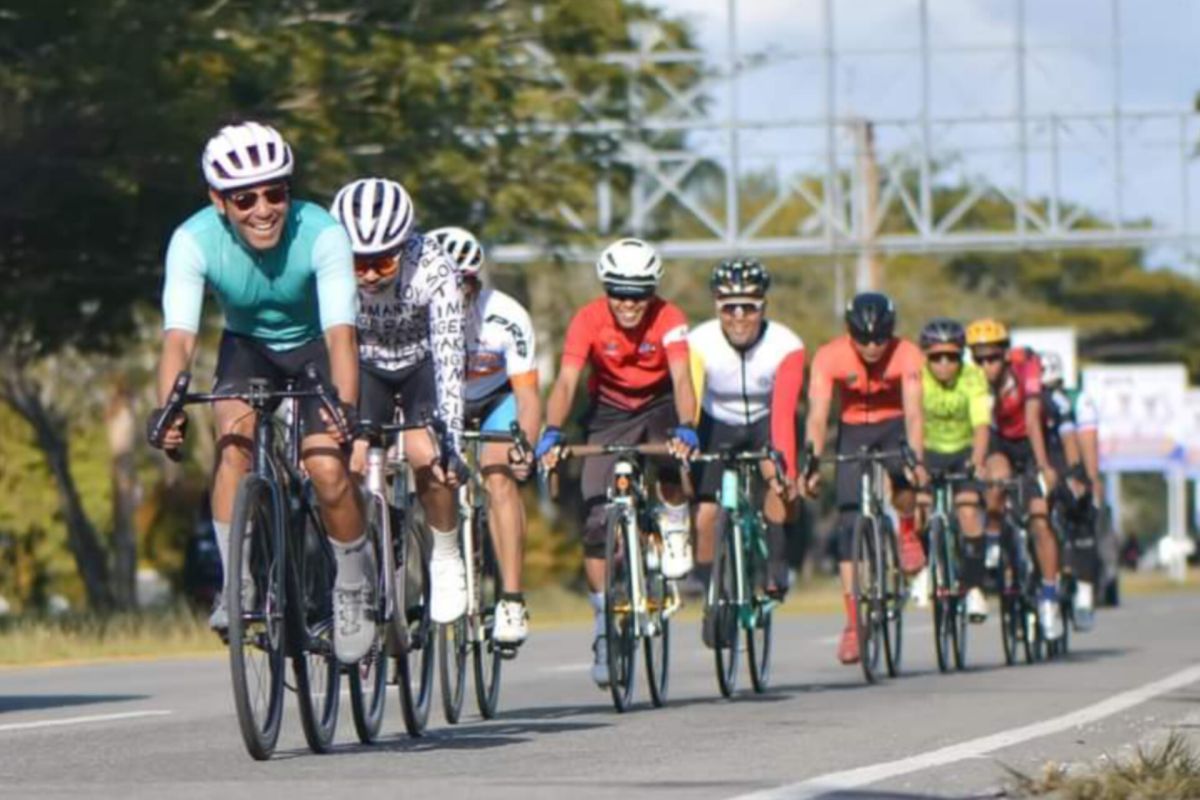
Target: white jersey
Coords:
[[500, 343], [738, 383], [419, 316]]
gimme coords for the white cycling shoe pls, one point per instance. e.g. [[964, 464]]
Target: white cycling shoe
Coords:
[[977, 608], [919, 591], [676, 554], [600, 662], [1084, 606], [353, 627], [512, 623], [1050, 618], [448, 588]]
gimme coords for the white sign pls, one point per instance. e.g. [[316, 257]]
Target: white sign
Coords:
[[1189, 429], [1141, 408], [1056, 340]]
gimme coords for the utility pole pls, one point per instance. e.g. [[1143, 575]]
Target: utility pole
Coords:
[[866, 212]]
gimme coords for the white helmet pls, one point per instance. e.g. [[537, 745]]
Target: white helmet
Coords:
[[245, 155], [1052, 367], [629, 267], [376, 213], [462, 247]]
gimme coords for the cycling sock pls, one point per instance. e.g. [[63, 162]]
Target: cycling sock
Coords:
[[513, 597], [1049, 590], [445, 543], [222, 531], [851, 610], [597, 602], [350, 558], [776, 564], [973, 570], [702, 573]]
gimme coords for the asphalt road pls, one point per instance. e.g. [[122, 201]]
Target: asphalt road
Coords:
[[166, 729]]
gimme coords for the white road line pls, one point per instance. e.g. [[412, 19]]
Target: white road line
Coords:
[[54, 723], [568, 667], [864, 776]]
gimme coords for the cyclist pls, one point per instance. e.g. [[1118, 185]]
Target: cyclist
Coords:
[[1017, 446], [878, 377], [641, 390], [749, 373], [411, 346], [502, 387], [958, 411], [281, 271], [1074, 498]]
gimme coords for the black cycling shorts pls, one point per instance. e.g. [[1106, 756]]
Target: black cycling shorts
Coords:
[[1019, 453], [241, 358], [716, 436], [381, 391]]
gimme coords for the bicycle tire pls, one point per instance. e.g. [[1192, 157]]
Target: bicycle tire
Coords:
[[368, 678], [260, 627], [486, 656], [867, 588], [895, 594], [453, 646], [619, 612], [758, 633], [723, 606], [961, 624], [657, 647], [940, 589], [1010, 607], [314, 664], [414, 662]]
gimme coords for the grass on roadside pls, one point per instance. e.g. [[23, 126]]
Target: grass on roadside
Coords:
[[81, 637], [1170, 771]]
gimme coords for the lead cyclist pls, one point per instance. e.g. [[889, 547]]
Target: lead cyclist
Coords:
[[502, 387], [281, 271], [411, 345]]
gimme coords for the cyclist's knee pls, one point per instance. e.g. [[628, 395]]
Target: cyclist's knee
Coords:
[[329, 476], [501, 486]]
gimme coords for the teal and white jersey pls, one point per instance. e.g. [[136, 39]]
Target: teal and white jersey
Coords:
[[283, 297]]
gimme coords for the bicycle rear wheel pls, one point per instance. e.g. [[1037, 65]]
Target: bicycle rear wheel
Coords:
[[368, 678], [486, 655], [868, 596], [414, 659], [314, 664], [619, 611], [256, 625], [758, 634], [939, 576], [657, 645], [723, 608], [895, 594]]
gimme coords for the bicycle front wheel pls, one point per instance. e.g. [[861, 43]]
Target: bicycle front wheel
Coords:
[[619, 612], [314, 664], [254, 600], [368, 678], [723, 606], [485, 653], [758, 634], [942, 592], [414, 659], [658, 641], [895, 595], [868, 596]]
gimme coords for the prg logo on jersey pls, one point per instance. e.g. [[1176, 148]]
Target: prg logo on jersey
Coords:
[[646, 348]]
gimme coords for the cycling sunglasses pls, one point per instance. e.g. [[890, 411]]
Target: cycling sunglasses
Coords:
[[988, 358], [945, 358], [247, 199], [876, 339], [385, 266], [745, 307]]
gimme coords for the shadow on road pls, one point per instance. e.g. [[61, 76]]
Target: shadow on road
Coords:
[[34, 702]]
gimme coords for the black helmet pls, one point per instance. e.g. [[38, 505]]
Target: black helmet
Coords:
[[740, 277], [943, 331], [871, 316]]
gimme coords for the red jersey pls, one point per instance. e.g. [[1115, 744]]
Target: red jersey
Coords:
[[869, 393], [1019, 384], [629, 367]]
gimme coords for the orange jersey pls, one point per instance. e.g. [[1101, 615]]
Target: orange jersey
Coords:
[[868, 393]]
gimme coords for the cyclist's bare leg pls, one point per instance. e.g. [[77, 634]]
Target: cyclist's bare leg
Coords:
[[1045, 544], [777, 512], [506, 513], [235, 438], [594, 572], [966, 508], [327, 466], [998, 469], [706, 535], [437, 499]]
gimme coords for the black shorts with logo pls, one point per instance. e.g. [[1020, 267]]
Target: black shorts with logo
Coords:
[[242, 358], [381, 391]]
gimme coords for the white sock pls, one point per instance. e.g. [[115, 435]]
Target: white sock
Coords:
[[445, 543], [596, 599], [222, 531], [351, 560]]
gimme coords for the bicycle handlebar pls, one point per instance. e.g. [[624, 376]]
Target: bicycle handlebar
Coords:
[[653, 449]]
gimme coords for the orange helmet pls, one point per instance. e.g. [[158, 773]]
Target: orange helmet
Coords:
[[985, 332]]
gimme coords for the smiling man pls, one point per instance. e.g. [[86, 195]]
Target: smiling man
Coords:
[[282, 272]]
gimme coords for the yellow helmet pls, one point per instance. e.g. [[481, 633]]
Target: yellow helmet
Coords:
[[986, 331]]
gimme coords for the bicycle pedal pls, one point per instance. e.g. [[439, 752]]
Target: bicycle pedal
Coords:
[[508, 652]]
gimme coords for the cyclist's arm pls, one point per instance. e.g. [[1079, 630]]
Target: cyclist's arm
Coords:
[[1033, 425], [681, 385], [1089, 450], [558, 404], [178, 347], [820, 397], [980, 410], [785, 396], [447, 344], [182, 302], [529, 403], [912, 391], [699, 378], [342, 343], [520, 359]]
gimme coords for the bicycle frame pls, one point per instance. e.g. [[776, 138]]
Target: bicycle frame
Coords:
[[737, 498]]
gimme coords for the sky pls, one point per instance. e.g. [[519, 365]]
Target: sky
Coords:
[[1070, 71]]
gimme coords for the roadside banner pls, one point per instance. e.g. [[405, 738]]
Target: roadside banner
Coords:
[[1142, 414]]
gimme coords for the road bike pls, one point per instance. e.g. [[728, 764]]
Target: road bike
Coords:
[[947, 588]]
